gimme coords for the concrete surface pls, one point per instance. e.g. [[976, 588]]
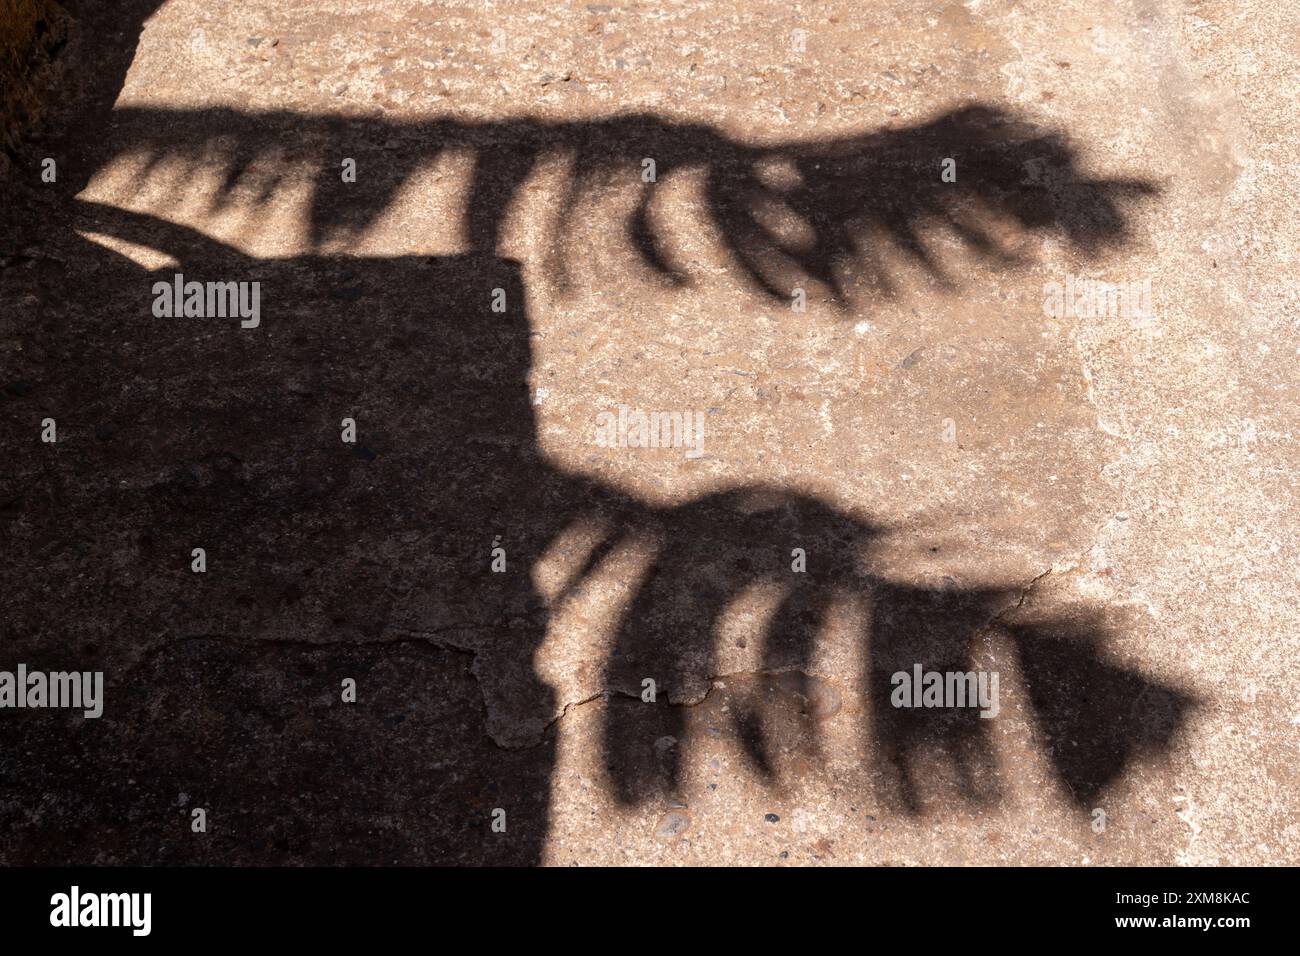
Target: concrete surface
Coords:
[[1101, 509]]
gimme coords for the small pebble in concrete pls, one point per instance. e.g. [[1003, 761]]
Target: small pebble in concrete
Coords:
[[771, 818], [672, 825], [913, 357]]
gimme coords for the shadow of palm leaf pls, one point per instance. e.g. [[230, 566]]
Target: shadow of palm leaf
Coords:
[[1097, 716], [839, 213]]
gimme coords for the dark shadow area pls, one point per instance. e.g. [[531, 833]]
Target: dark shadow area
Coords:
[[371, 561]]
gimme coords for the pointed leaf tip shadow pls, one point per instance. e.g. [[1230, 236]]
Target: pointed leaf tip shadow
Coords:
[[1098, 717]]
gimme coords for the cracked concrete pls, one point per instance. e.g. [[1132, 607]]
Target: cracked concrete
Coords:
[[1100, 508]]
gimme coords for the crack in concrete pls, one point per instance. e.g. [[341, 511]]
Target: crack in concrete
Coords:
[[712, 681], [1000, 617], [429, 638], [995, 621]]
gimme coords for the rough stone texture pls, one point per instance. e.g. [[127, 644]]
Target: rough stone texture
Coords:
[[1112, 527], [32, 35]]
